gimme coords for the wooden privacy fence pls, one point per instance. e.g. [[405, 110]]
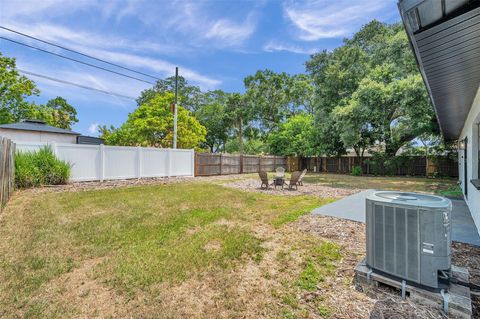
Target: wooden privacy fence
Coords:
[[415, 166], [207, 164], [7, 170]]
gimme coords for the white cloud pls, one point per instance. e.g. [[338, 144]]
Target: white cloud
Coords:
[[93, 128], [96, 79], [13, 9], [273, 46], [198, 23], [163, 67], [112, 49], [319, 19], [66, 36], [230, 33]]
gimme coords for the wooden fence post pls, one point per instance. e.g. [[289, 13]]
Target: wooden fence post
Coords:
[[241, 163], [221, 164], [195, 163]]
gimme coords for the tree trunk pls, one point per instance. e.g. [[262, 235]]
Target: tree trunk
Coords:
[[240, 135]]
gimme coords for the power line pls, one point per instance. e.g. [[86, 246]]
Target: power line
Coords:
[[78, 52], [75, 84], [78, 61]]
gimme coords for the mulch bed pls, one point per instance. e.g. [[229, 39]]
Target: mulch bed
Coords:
[[253, 185], [382, 302], [468, 256], [97, 185], [108, 184]]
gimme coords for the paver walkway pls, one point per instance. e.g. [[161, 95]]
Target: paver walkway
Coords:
[[353, 208]]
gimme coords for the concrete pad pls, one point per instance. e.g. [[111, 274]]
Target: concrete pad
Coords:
[[350, 207], [463, 226], [353, 208]]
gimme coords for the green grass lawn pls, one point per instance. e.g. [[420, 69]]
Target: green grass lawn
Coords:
[[144, 239], [441, 186], [188, 249]]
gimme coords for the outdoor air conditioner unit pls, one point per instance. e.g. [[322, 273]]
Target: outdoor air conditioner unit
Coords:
[[409, 237]]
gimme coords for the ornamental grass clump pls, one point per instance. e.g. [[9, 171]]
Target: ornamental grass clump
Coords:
[[39, 168]]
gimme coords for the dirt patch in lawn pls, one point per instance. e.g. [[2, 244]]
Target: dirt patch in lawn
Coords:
[[253, 185], [83, 295]]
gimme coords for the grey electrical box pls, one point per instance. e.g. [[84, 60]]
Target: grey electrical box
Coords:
[[409, 235]]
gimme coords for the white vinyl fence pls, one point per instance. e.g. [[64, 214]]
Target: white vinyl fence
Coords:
[[100, 162]]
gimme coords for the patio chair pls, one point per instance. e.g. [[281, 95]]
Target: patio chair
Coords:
[[280, 172], [294, 179], [304, 172], [264, 178]]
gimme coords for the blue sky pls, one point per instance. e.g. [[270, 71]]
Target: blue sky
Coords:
[[214, 43]]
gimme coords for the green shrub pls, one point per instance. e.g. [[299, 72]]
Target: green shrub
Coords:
[[40, 168], [357, 171]]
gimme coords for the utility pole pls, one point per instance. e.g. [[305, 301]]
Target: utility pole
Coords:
[[175, 110]]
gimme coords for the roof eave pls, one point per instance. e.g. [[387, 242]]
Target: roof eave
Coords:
[[41, 131]]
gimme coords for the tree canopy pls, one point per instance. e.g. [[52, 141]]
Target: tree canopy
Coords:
[[366, 94], [14, 89], [14, 106], [294, 137], [151, 124], [369, 91], [192, 98]]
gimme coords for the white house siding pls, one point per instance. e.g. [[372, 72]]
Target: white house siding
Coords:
[[470, 130], [38, 137]]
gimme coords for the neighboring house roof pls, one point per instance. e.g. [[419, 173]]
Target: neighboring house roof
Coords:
[[36, 125], [445, 39], [90, 140]]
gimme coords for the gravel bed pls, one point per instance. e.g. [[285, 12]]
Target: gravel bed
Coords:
[[97, 185], [253, 185]]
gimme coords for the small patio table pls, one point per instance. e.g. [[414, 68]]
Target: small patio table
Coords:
[[278, 181]]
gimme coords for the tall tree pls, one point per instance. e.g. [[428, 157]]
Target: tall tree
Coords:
[[191, 97], [371, 88], [213, 116], [271, 94], [239, 114], [395, 108], [14, 89], [336, 76], [151, 124], [293, 137], [63, 114]]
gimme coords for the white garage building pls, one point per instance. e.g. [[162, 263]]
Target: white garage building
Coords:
[[37, 131]]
